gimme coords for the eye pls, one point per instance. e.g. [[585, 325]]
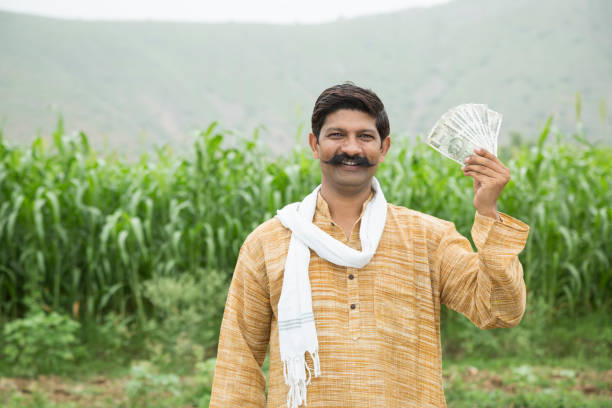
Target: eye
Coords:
[[366, 136], [336, 134]]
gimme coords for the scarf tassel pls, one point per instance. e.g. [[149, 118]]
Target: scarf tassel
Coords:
[[297, 334], [294, 370]]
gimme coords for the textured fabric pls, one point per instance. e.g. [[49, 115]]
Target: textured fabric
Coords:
[[384, 352], [296, 328]]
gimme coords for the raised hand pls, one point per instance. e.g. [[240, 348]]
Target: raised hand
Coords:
[[490, 177]]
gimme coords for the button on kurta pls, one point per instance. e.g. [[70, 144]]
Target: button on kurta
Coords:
[[354, 318], [385, 352]]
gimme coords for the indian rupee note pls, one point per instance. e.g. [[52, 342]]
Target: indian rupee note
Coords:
[[450, 143], [495, 120]]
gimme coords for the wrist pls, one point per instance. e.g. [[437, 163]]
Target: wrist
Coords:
[[489, 212]]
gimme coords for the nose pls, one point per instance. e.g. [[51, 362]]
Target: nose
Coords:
[[351, 146]]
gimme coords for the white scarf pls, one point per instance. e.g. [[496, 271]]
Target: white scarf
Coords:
[[296, 329]]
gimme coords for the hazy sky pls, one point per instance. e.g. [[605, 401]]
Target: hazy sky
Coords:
[[274, 11]]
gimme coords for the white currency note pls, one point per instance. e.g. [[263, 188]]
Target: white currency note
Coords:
[[464, 128], [495, 120], [450, 143]]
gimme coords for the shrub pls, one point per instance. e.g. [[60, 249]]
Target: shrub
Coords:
[[40, 343], [187, 315]]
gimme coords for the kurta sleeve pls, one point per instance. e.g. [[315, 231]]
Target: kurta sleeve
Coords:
[[245, 333], [486, 286]]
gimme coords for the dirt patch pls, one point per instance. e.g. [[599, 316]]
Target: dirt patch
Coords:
[[96, 392], [513, 380], [102, 391]]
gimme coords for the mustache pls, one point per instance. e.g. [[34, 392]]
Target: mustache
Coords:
[[359, 160]]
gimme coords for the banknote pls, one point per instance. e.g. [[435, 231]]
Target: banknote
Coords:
[[495, 120], [473, 122], [463, 128], [450, 143]]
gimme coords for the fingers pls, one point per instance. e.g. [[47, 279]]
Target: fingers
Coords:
[[488, 155], [487, 159], [478, 168], [485, 153], [486, 171], [480, 178]]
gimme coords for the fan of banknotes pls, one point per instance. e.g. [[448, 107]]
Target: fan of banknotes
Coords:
[[462, 129]]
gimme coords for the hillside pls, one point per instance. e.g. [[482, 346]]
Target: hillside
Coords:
[[128, 84]]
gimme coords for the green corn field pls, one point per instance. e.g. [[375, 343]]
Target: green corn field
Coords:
[[82, 233]]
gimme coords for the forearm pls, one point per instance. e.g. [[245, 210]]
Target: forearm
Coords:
[[486, 286], [500, 296]]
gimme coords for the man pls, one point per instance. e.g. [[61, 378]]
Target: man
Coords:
[[351, 309]]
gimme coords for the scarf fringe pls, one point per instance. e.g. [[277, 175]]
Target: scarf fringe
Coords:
[[297, 333], [294, 370]]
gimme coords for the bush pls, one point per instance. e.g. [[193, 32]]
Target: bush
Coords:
[[40, 343], [188, 310], [205, 372]]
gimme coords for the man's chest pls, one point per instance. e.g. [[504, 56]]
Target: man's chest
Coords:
[[392, 296]]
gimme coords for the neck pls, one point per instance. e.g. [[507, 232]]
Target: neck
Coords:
[[345, 206]]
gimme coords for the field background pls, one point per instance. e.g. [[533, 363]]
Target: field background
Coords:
[[114, 273], [135, 157]]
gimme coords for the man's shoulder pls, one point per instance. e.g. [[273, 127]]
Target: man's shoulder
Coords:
[[410, 216], [268, 232]]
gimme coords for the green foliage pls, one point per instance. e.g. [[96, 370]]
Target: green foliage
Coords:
[[149, 387], [40, 343], [470, 398], [563, 192], [187, 316], [147, 384], [205, 372], [130, 239], [37, 400], [524, 386], [516, 384], [109, 339], [538, 338]]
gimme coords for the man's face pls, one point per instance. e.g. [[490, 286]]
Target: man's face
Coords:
[[349, 149]]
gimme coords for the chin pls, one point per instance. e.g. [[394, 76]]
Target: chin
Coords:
[[351, 180]]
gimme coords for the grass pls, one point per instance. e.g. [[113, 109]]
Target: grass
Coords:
[[515, 384], [536, 364], [140, 255]]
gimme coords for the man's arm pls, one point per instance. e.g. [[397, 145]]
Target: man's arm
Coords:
[[486, 286], [245, 333]]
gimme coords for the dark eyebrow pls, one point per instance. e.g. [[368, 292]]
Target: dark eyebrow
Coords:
[[335, 129]]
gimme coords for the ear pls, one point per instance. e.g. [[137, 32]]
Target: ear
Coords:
[[314, 145], [386, 144]]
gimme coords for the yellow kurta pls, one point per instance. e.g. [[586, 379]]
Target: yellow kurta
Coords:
[[378, 326]]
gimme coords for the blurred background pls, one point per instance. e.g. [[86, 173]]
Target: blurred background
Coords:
[[141, 141], [137, 74]]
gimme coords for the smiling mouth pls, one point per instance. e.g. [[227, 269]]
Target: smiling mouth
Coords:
[[349, 163], [345, 160]]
